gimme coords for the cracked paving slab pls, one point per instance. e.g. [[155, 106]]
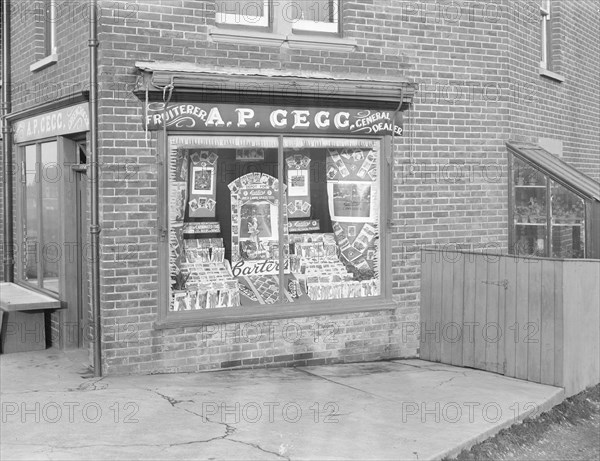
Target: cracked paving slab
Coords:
[[371, 411]]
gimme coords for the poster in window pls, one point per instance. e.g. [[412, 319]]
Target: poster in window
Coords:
[[298, 183], [351, 201], [203, 180]]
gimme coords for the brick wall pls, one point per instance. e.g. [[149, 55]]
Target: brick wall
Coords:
[[69, 74], [450, 174], [542, 107], [450, 169]]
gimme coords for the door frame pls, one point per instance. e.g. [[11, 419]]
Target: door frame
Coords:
[[81, 262]]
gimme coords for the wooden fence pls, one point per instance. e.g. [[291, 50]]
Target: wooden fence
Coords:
[[536, 319]]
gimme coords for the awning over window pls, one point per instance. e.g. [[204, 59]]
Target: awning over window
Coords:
[[556, 168], [270, 85]]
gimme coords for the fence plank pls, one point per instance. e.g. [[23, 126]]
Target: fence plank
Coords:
[[491, 330], [522, 317], [481, 288], [433, 333], [469, 311], [446, 305], [426, 288], [534, 324], [510, 341], [558, 325], [502, 313], [458, 308], [547, 326]]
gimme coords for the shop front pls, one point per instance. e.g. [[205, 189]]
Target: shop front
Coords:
[[50, 216], [275, 207]]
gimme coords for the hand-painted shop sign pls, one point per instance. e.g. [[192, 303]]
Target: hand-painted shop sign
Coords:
[[72, 119], [235, 118]]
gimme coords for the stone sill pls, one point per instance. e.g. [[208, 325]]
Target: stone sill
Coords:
[[551, 75], [258, 38], [44, 62]]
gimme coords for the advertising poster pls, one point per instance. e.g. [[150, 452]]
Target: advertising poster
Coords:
[[202, 176], [351, 201], [298, 182]]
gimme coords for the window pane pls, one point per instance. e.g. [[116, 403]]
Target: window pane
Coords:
[[248, 12], [333, 192], [31, 203], [313, 10], [227, 234], [224, 224], [51, 248], [568, 223], [530, 210], [567, 207], [568, 241]]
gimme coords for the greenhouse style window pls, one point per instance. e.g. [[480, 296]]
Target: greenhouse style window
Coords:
[[554, 209]]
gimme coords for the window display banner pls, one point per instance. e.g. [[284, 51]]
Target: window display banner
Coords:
[[236, 118]]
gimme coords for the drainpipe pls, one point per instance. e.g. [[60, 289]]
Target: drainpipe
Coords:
[[94, 192], [7, 147]]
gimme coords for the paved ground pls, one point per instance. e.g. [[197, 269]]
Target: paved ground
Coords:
[[403, 409]]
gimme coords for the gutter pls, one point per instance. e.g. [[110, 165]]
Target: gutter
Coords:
[[94, 190], [5, 108]]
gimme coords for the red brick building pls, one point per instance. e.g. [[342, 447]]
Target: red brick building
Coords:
[[387, 121]]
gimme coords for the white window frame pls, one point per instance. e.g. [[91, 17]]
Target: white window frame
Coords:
[[50, 34], [321, 26], [545, 13], [244, 20]]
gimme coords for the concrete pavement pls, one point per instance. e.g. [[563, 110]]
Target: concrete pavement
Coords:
[[397, 410]]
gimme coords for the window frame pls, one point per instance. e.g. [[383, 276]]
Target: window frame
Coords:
[[50, 28], [22, 204], [550, 180], [168, 319], [276, 21], [49, 53], [546, 34], [66, 156]]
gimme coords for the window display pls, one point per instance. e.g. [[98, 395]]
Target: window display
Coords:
[[241, 235]]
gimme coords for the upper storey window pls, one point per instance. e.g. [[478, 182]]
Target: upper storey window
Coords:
[[316, 15], [281, 16], [546, 34], [243, 12]]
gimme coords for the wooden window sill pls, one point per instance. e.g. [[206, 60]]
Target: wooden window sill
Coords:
[[279, 312]]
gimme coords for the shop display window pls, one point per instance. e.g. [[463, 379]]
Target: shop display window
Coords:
[[257, 221], [41, 216]]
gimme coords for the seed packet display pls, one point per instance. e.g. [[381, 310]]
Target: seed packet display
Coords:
[[181, 301], [218, 255], [338, 164], [177, 201]]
